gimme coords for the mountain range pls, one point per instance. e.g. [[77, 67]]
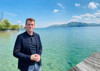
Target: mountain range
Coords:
[[75, 24]]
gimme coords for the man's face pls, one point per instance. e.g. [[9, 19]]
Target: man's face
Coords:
[[30, 26]]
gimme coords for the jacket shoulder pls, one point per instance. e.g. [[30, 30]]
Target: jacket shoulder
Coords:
[[21, 34], [36, 33]]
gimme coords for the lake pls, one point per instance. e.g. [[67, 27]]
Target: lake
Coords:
[[63, 48]]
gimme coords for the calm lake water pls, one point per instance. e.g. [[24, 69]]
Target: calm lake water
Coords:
[[63, 48]]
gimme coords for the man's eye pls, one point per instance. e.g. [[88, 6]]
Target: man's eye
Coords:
[[30, 24]]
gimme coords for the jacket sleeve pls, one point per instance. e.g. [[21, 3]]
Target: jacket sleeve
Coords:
[[17, 48], [40, 48]]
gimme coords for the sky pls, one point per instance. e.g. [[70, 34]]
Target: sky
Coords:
[[50, 12]]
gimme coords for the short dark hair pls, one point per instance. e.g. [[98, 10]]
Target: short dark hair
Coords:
[[30, 19]]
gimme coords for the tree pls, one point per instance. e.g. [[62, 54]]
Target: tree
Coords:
[[15, 27], [2, 25], [7, 23]]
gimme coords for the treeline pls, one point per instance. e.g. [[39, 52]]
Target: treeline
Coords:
[[5, 25]]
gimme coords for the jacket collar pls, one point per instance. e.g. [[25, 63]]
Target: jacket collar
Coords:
[[35, 38], [29, 34]]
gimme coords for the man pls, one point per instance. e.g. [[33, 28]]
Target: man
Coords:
[[28, 48]]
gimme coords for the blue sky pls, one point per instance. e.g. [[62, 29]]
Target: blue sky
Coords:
[[50, 12]]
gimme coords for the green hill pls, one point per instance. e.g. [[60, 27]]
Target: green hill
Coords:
[[75, 24]]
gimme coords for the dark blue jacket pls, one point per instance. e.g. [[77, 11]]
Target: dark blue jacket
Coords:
[[23, 52]]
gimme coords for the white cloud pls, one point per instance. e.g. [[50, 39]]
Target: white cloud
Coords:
[[55, 10], [86, 18], [18, 22], [77, 4], [89, 18], [97, 15], [87, 15], [77, 17], [73, 20], [97, 21], [60, 5], [93, 5], [10, 14]]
